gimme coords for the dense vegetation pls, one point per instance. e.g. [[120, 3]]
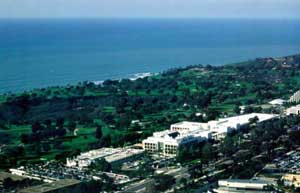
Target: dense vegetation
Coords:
[[57, 122]]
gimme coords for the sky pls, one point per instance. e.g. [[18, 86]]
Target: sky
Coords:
[[150, 8]]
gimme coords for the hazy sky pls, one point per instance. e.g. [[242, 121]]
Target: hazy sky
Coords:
[[150, 8]]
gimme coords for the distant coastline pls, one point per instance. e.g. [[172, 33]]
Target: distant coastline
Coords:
[[131, 77], [38, 53]]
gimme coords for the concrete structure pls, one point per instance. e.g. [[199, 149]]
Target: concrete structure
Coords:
[[277, 102], [66, 185], [295, 110], [118, 178], [168, 141], [186, 126], [295, 98], [111, 155], [291, 180], [237, 185], [222, 126], [23, 173]]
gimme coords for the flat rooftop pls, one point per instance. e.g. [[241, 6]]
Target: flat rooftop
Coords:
[[97, 153], [48, 187], [244, 181], [188, 123], [244, 119], [110, 154], [234, 190], [123, 154]]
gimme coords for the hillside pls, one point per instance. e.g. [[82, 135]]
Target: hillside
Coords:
[[128, 111]]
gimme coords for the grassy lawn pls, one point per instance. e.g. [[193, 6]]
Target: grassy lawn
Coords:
[[109, 109], [13, 133], [84, 137], [79, 142]]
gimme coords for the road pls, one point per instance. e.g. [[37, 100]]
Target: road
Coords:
[[140, 186]]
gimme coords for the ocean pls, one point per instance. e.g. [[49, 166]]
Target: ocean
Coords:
[[36, 53]]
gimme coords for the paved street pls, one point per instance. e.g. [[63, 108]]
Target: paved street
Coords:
[[139, 186]]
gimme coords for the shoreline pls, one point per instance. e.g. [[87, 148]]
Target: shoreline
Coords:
[[131, 77]]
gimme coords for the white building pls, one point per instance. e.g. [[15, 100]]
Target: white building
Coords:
[[168, 141], [295, 110], [237, 185], [277, 102], [295, 97], [186, 126], [222, 126], [111, 155]]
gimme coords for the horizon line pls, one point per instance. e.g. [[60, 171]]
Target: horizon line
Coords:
[[119, 18]]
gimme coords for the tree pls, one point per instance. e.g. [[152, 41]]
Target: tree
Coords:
[[8, 183], [38, 148], [212, 114], [207, 153], [91, 186], [48, 123], [24, 138], [105, 141], [163, 182], [182, 154], [46, 147], [196, 170], [227, 146], [14, 151], [72, 126], [183, 181], [249, 109], [61, 132], [237, 109], [101, 164], [253, 120], [36, 126], [60, 123], [99, 133]]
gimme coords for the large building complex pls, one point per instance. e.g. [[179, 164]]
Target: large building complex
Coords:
[[111, 155], [168, 141]]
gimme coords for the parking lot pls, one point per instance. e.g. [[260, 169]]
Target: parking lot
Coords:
[[289, 162]]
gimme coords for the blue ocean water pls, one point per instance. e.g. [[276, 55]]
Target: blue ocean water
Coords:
[[45, 52]]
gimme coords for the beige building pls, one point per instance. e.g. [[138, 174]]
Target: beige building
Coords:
[[295, 110], [291, 180]]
